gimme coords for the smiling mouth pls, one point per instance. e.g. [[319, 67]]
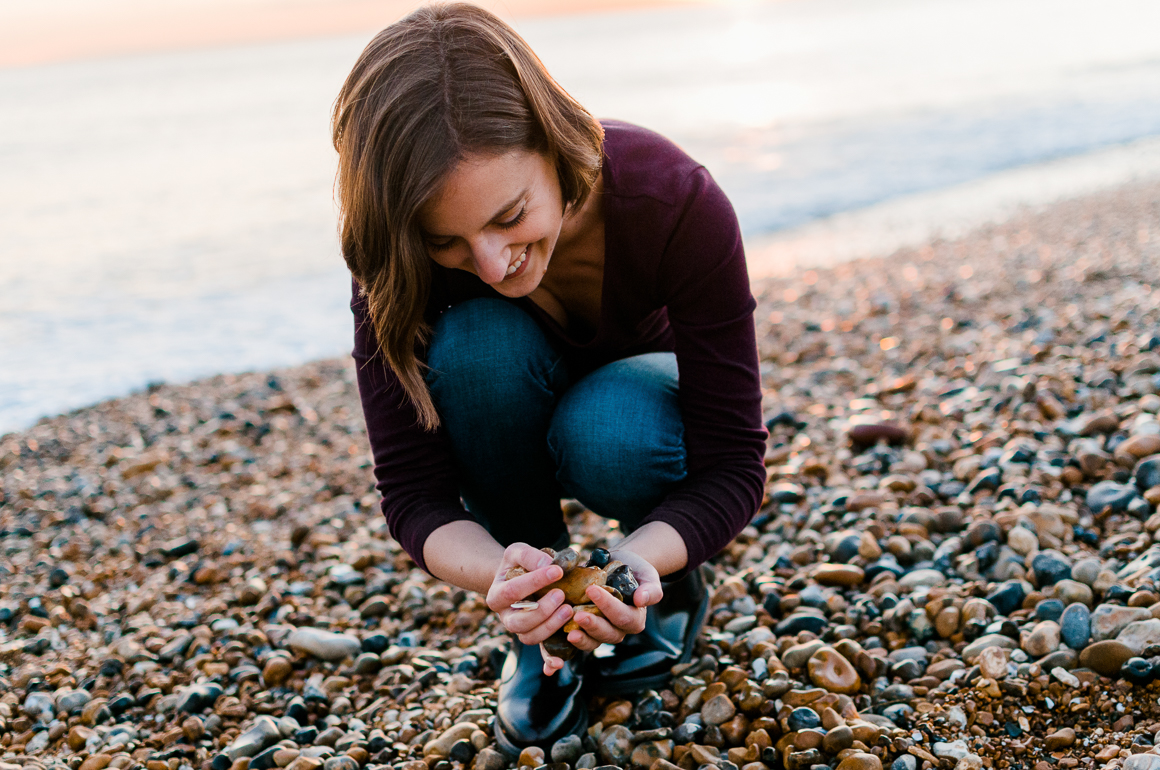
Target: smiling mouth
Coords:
[[515, 266]]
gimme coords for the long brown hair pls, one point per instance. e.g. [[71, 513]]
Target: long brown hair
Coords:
[[442, 83]]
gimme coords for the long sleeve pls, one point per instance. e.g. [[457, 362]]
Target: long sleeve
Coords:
[[414, 470], [703, 282]]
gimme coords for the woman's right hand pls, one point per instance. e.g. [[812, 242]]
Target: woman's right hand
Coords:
[[536, 625]]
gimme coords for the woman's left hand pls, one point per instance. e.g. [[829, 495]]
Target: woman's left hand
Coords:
[[619, 619]]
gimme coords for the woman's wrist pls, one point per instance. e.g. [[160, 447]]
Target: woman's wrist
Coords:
[[659, 544], [463, 554]]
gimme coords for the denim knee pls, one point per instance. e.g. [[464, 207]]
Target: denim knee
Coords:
[[487, 353], [617, 437]]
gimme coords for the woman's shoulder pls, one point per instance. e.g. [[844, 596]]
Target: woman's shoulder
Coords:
[[641, 162]]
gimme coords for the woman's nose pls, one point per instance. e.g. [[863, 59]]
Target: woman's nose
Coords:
[[490, 258]]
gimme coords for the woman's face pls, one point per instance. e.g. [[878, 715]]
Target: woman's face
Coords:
[[497, 217]]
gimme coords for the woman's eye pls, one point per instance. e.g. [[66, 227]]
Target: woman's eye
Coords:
[[515, 221], [441, 246]]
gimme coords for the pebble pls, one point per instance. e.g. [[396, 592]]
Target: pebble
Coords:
[[831, 671], [226, 534], [1105, 657], [1075, 626], [324, 645]]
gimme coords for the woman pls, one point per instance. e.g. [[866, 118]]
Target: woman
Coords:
[[528, 283]]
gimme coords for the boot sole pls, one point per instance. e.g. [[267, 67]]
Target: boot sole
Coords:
[[512, 751]]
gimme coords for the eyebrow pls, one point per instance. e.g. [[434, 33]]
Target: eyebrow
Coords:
[[504, 209]]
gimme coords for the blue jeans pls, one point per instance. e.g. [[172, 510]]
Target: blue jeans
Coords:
[[525, 435]]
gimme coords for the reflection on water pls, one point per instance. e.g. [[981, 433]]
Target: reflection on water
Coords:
[[170, 216]]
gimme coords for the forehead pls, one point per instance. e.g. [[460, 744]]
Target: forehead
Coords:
[[480, 187]]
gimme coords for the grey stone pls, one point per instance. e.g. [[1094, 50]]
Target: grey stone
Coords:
[[325, 645]]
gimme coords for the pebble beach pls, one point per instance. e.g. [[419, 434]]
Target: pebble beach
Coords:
[[956, 565]]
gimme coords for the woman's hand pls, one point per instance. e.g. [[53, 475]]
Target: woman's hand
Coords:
[[535, 625], [619, 619]]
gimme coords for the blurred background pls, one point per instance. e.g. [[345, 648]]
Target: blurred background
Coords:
[[166, 171]]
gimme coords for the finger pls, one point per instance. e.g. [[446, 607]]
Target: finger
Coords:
[[522, 621], [619, 614], [552, 664], [583, 641], [525, 585], [550, 626], [648, 594], [599, 629]]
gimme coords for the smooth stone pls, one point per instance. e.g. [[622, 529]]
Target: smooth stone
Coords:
[[838, 739], [1109, 619], [1022, 540], [921, 578], [860, 760], [971, 652], [1066, 659], [276, 670], [1007, 596], [801, 621], [490, 759], [40, 705], [341, 762], [1147, 473], [199, 697], [993, 662], [568, 749], [325, 645], [441, 745], [797, 656], [1049, 609], [1106, 657], [868, 435], [803, 718], [830, 670], [1050, 567], [1142, 762], [615, 745], [1043, 639], [951, 749], [718, 710], [263, 733], [73, 702], [1109, 494], [905, 762], [786, 492], [1060, 739], [843, 575], [1072, 591], [532, 756], [1086, 571], [1140, 634], [1075, 626]]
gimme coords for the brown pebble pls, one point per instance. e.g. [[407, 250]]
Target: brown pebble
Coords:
[[1060, 739], [96, 762], [276, 670], [532, 756], [1106, 657], [860, 761], [616, 713], [839, 574], [829, 670], [837, 739], [284, 757], [193, 728], [78, 736]]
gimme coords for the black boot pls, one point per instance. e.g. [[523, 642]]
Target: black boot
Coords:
[[537, 710], [642, 661]]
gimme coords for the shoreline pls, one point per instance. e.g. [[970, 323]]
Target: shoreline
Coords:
[[956, 565]]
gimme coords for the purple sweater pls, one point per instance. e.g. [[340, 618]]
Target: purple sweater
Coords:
[[674, 280]]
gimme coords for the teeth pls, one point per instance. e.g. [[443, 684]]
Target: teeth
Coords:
[[516, 265]]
